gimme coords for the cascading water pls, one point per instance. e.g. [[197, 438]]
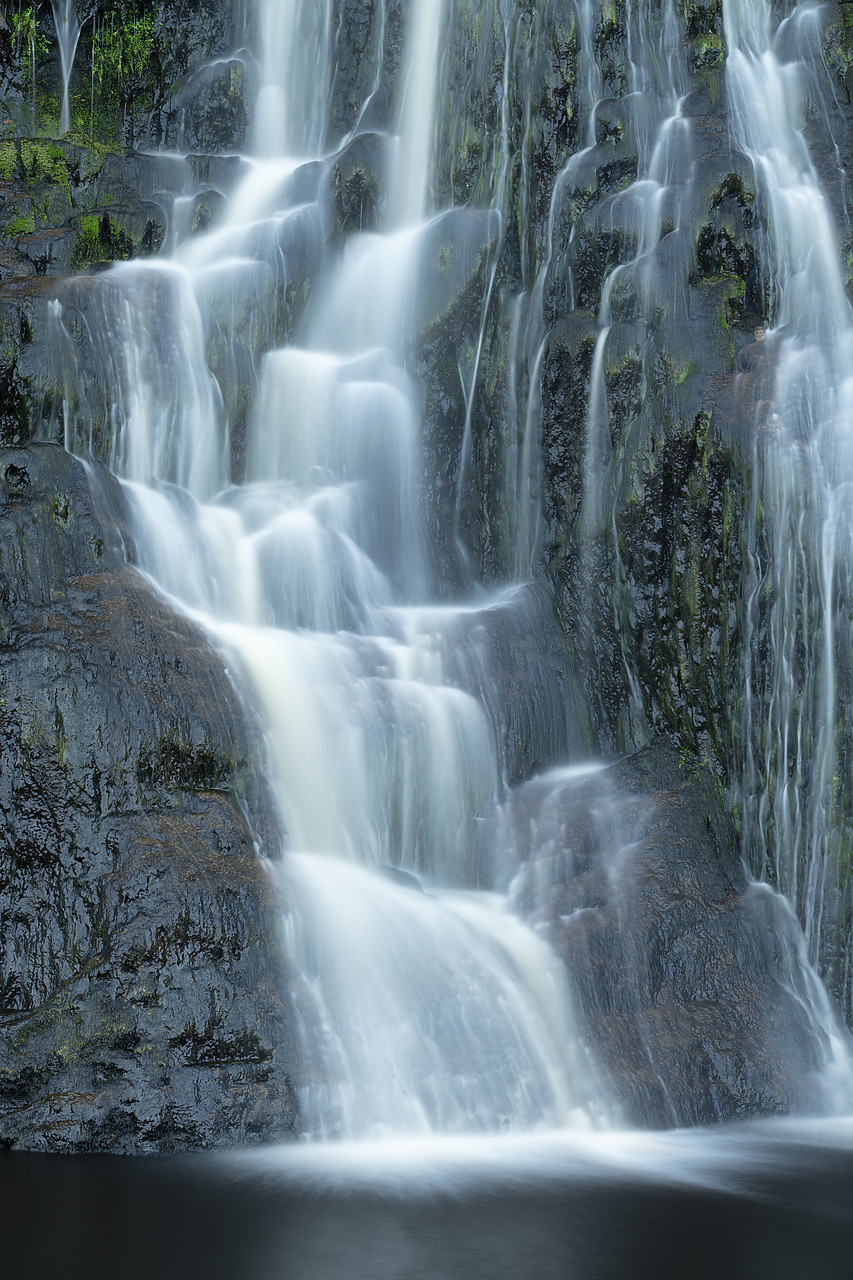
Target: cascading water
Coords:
[[793, 736], [419, 1011], [388, 737], [797, 783], [642, 228]]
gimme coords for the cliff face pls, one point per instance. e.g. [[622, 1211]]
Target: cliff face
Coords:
[[698, 589], [594, 397]]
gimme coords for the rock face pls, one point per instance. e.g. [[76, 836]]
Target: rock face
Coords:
[[140, 981], [690, 981], [146, 74], [638, 355]]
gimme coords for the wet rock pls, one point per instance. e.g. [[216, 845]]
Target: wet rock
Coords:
[[68, 205], [141, 1004], [508, 654], [357, 100], [30, 395], [207, 109], [691, 982], [404, 879], [645, 493], [358, 181], [452, 265]]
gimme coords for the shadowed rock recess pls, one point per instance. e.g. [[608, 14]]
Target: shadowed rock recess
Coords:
[[557, 354]]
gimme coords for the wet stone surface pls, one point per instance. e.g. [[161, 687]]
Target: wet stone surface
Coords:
[[690, 980], [141, 1003]]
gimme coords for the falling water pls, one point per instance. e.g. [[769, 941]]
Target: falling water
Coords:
[[67, 34], [660, 194], [422, 1003], [290, 112], [798, 785], [417, 112]]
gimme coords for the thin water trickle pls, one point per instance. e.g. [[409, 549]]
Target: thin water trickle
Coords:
[[797, 783], [68, 34]]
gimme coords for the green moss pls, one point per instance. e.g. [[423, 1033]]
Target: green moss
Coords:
[[185, 766], [26, 33], [100, 239], [733, 296], [734, 188], [357, 197], [90, 154], [44, 161], [60, 1014], [88, 240], [838, 45], [8, 158], [117, 70], [22, 225], [60, 509], [213, 1046], [609, 13], [89, 228], [702, 18], [122, 49], [30, 41]]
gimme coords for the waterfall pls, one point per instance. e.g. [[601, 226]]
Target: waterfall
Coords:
[[423, 1005], [67, 34], [290, 113], [261, 397], [797, 785]]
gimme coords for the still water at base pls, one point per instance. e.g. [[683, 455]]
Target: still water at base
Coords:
[[764, 1200]]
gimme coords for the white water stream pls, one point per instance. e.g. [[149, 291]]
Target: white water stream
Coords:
[[797, 772], [67, 33], [420, 1012]]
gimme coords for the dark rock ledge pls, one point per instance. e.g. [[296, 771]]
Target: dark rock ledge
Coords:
[[689, 979], [140, 981]]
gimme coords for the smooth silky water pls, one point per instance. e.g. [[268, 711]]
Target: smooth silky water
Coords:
[[418, 1012], [797, 781], [67, 33], [442, 1053]]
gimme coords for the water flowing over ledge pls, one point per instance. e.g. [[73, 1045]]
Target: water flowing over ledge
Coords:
[[524, 563]]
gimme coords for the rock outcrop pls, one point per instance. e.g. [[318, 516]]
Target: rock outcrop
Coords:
[[141, 989], [690, 980]]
